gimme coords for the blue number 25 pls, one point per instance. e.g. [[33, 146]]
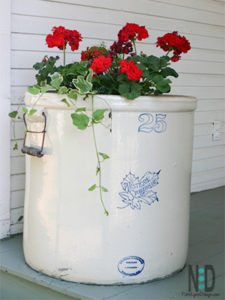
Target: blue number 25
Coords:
[[151, 123]]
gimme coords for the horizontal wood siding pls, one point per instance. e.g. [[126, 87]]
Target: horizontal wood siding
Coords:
[[202, 71]]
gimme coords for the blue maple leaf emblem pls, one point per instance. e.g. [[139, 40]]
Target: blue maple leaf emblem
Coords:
[[139, 190]]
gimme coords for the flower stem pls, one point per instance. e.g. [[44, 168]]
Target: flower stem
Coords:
[[98, 162], [64, 55], [135, 49]]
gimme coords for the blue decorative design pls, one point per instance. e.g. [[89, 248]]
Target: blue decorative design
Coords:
[[139, 190], [152, 124], [131, 265]]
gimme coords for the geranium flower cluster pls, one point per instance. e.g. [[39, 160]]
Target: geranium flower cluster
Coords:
[[174, 42], [121, 48], [132, 70], [132, 32], [120, 69], [101, 64], [92, 52], [61, 36]]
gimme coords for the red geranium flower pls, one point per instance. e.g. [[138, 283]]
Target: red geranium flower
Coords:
[[132, 32], [174, 42], [132, 70], [92, 52], [101, 64], [61, 36]]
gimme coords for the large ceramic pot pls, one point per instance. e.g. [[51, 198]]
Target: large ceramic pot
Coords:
[[66, 233]]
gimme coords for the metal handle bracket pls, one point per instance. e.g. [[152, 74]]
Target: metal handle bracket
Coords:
[[32, 150]]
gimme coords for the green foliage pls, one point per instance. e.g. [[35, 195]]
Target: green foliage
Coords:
[[83, 85], [80, 109], [92, 188], [13, 114], [168, 72], [78, 79], [62, 90], [103, 155], [15, 147], [81, 120], [66, 102], [98, 170], [45, 70], [56, 80], [34, 89], [73, 94], [98, 115], [24, 109], [32, 111], [130, 90], [161, 83], [104, 189]]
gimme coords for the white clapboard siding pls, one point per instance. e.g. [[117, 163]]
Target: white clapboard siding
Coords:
[[90, 14], [201, 71], [152, 8], [17, 199], [206, 5]]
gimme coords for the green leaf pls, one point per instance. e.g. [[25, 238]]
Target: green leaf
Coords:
[[169, 72], [153, 62], [32, 111], [98, 115], [38, 66], [13, 114], [103, 155], [82, 85], [164, 61], [15, 147], [24, 109], [66, 102], [97, 170], [62, 90], [45, 88], [80, 120], [130, 90], [80, 109], [158, 78], [104, 189], [89, 76], [162, 84], [56, 80], [73, 94], [92, 188], [34, 89], [43, 83]]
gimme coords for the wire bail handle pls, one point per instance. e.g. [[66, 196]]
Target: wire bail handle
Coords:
[[32, 150]]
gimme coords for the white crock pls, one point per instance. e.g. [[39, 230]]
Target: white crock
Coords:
[[66, 233]]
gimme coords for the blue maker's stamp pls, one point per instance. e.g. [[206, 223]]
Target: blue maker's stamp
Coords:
[[150, 123], [139, 190], [131, 265]]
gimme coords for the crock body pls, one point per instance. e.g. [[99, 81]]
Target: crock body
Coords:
[[66, 233]]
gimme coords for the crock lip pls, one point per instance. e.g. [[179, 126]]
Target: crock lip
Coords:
[[164, 103], [151, 96]]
